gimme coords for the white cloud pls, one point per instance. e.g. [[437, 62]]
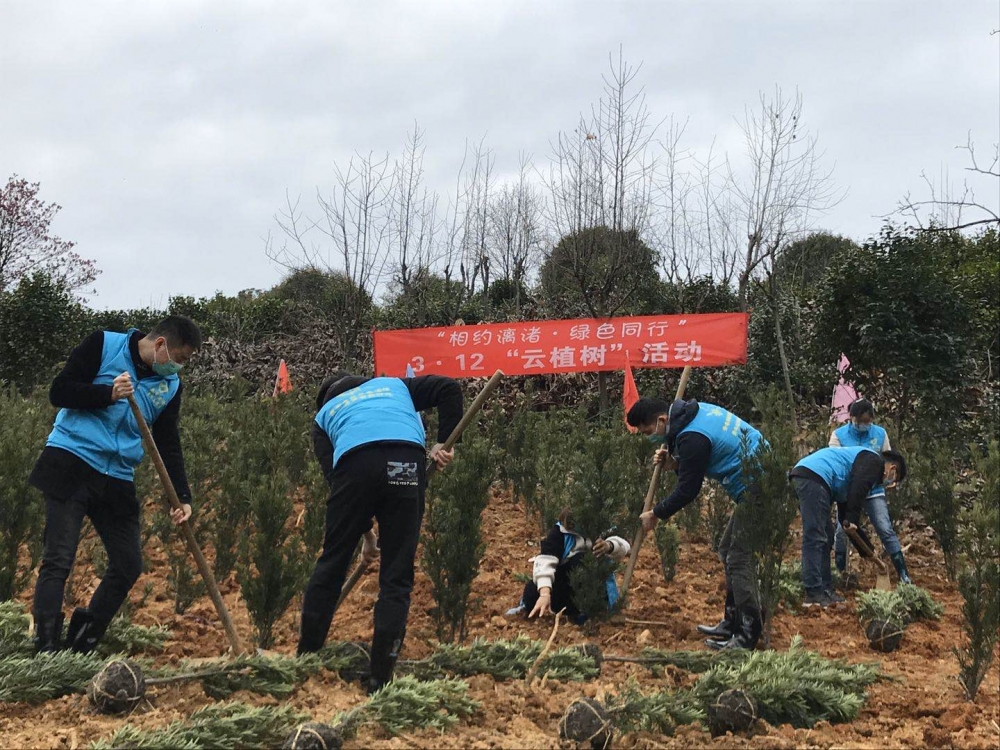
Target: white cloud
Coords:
[[170, 131]]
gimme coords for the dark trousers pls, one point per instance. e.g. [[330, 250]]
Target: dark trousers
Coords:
[[817, 534], [385, 482], [116, 520], [738, 560]]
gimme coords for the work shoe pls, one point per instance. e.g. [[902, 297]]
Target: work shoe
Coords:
[[48, 633], [899, 563], [724, 630], [822, 599], [835, 598], [84, 632], [747, 633]]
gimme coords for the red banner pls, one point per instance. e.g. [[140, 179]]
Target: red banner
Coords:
[[554, 346]]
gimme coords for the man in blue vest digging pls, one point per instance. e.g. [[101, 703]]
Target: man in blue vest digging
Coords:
[[845, 476], [370, 443], [704, 440], [87, 467], [861, 432]]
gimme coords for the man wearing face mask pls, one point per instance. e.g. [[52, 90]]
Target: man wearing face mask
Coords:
[[87, 467], [704, 440], [860, 432]]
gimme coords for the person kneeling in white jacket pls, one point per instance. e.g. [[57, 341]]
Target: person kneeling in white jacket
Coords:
[[561, 551]]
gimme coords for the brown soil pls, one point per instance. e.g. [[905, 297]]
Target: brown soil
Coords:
[[923, 706]]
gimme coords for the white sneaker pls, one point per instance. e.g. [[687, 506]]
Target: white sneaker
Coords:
[[520, 609]]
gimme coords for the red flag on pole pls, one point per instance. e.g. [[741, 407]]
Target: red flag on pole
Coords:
[[631, 393], [283, 383]]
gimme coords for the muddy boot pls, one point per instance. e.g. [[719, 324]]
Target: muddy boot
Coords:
[[84, 632], [900, 564], [48, 633], [312, 632], [749, 628], [724, 630], [385, 651]]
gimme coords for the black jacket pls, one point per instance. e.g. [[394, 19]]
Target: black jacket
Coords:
[[693, 452], [58, 472]]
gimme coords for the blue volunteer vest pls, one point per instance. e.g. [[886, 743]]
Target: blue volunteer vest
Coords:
[[833, 466], [108, 439], [723, 429], [849, 437], [380, 409]]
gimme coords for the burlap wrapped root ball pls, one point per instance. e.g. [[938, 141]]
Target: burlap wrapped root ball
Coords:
[[884, 635], [119, 687], [587, 722], [314, 736], [733, 711]]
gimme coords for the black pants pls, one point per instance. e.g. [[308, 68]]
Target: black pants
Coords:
[[116, 520], [385, 482], [738, 559]]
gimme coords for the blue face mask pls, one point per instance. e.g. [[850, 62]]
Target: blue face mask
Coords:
[[657, 439], [862, 430]]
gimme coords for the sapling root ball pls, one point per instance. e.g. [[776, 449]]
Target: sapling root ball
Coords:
[[118, 687], [314, 736], [884, 635], [586, 722], [733, 711]]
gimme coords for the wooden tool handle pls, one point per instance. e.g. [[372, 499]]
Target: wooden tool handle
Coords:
[[471, 413], [654, 484], [185, 528]]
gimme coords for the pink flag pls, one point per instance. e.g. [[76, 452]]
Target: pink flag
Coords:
[[843, 394]]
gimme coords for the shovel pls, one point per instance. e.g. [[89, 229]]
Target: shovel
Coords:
[[864, 547]]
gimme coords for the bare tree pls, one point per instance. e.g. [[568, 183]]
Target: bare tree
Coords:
[[601, 182], [350, 237], [677, 233], [776, 199], [413, 212], [516, 230], [784, 187], [602, 175], [948, 210]]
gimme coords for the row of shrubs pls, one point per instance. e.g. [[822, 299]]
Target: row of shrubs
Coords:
[[260, 500]]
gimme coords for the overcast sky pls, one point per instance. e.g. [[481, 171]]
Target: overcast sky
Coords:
[[170, 131]]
